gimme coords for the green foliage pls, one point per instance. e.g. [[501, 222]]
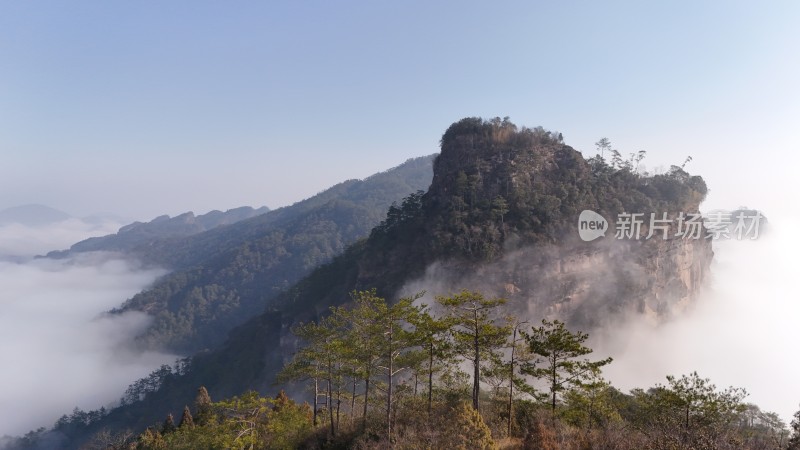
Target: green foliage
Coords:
[[322, 359], [288, 423], [475, 332], [688, 411], [363, 342], [399, 217], [699, 401], [560, 350], [436, 352], [466, 430], [591, 403], [388, 336], [244, 422]]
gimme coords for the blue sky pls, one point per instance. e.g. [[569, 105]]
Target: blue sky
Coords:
[[145, 108]]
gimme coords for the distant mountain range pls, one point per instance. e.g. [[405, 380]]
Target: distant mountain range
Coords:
[[138, 235], [32, 215]]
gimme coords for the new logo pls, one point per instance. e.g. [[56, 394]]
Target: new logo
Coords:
[[591, 225]]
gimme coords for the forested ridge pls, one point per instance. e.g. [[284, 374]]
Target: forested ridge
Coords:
[[229, 274], [134, 238]]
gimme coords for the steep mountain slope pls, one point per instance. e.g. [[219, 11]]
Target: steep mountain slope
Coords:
[[226, 275], [501, 215]]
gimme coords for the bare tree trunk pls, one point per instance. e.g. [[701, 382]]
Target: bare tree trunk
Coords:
[[330, 396], [316, 398], [476, 384], [430, 379], [389, 387], [338, 402], [366, 403], [353, 402], [511, 382], [553, 387]]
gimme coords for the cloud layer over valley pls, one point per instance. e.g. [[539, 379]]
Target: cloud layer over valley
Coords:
[[21, 241], [742, 332], [58, 349]]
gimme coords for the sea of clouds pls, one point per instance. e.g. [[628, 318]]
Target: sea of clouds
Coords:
[[58, 348], [741, 332]]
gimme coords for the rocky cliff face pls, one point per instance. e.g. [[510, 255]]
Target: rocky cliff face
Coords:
[[502, 216], [588, 286]]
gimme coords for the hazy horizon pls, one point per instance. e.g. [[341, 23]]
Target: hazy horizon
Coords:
[[144, 110]]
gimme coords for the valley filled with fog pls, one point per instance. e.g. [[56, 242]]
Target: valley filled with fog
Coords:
[[742, 331], [59, 350]]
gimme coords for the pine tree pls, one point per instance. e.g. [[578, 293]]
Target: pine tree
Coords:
[[378, 339], [560, 349], [519, 358], [431, 334], [395, 342], [169, 425], [202, 407], [794, 441], [476, 335], [361, 347], [603, 145], [186, 419], [321, 359]]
